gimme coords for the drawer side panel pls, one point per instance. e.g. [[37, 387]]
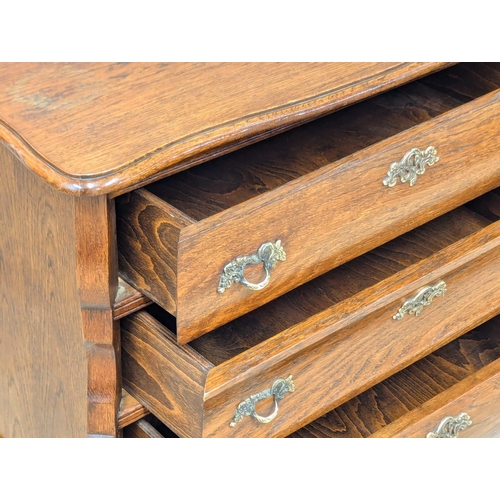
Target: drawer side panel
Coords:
[[167, 379], [148, 233]]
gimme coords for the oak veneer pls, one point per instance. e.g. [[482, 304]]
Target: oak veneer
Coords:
[[99, 128], [42, 360], [60, 367], [413, 401], [332, 355], [170, 256]]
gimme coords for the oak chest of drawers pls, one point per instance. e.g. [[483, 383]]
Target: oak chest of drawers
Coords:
[[250, 250]]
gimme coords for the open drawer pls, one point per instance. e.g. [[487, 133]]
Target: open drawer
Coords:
[[453, 392], [223, 238], [323, 343]]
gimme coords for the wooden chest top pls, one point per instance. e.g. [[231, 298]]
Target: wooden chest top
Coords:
[[98, 128]]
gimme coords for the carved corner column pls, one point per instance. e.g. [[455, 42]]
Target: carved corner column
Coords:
[[98, 282]]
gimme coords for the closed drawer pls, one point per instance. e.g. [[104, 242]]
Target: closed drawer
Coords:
[[335, 336], [453, 392], [177, 236]]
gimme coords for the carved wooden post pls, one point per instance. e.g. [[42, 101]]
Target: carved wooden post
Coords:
[[98, 281]]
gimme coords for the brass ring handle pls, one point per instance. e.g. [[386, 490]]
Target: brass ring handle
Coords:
[[420, 300], [268, 253], [449, 427], [412, 164], [257, 286], [269, 418], [247, 408]]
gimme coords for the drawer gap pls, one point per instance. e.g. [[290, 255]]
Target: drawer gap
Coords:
[[487, 205]]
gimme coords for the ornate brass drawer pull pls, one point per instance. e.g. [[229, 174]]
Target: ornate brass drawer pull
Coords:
[[268, 254], [449, 427], [247, 408], [422, 298], [412, 164]]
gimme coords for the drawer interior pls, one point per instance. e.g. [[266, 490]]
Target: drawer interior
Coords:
[[410, 388], [220, 184], [341, 283]]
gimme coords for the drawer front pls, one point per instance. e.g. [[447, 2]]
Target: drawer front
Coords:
[[471, 409], [322, 219], [330, 358], [371, 348]]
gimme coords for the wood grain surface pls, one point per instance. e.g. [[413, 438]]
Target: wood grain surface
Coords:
[[299, 213], [478, 396], [166, 378], [42, 358], [220, 184], [96, 268], [333, 355], [97, 128], [130, 410], [386, 409], [333, 287], [318, 231], [148, 231], [410, 402]]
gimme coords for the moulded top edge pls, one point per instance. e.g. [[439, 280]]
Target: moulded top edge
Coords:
[[107, 128]]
